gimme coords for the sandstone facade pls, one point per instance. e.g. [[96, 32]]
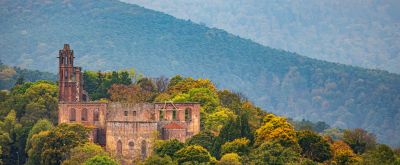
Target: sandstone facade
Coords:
[[126, 130]]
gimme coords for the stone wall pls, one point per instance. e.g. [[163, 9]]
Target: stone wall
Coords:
[[187, 115], [131, 140], [87, 113], [131, 112]]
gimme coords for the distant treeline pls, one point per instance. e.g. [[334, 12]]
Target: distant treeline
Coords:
[[10, 75]]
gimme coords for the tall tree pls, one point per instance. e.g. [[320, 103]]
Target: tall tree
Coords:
[[161, 84], [193, 154], [41, 125], [229, 132], [204, 138], [10, 130], [60, 140], [168, 147], [240, 146], [101, 159], [359, 140], [124, 78], [314, 146], [276, 129], [274, 153], [343, 154], [80, 154], [382, 154]]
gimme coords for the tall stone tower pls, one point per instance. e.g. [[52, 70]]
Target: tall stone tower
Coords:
[[71, 79]]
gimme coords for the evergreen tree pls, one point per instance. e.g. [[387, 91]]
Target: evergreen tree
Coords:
[[115, 78], [20, 80], [124, 78], [229, 132]]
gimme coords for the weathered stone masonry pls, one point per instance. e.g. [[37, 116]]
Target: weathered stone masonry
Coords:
[[126, 130]]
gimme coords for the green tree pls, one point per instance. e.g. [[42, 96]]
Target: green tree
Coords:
[[175, 80], [245, 128], [230, 159], [41, 125], [42, 103], [30, 102], [125, 79], [204, 138], [239, 146], [91, 83], [10, 131], [274, 153], [359, 140], [158, 160], [207, 98], [215, 121], [229, 99], [382, 154], [168, 147], [193, 154], [114, 79], [314, 146], [103, 160], [61, 140], [320, 126], [20, 80], [37, 141], [80, 154], [229, 132]]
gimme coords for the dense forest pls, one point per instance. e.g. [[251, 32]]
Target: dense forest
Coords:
[[233, 130], [360, 33], [9, 76], [111, 35]]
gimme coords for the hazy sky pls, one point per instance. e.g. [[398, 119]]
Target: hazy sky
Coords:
[[358, 32]]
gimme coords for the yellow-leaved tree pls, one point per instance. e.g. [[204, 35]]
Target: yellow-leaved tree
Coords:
[[276, 129]]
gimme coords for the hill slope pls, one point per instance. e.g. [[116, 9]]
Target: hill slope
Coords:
[[10, 75], [110, 35], [356, 32]]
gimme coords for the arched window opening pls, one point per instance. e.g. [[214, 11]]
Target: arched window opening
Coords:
[[84, 116], [131, 149], [72, 115], [66, 74], [84, 97], [96, 115], [66, 60], [126, 113], [188, 114], [143, 150], [161, 114], [134, 113], [119, 148], [174, 114]]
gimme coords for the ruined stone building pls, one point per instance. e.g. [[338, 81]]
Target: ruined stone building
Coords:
[[124, 129]]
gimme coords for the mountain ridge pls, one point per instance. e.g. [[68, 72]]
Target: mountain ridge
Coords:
[[361, 33], [111, 35]]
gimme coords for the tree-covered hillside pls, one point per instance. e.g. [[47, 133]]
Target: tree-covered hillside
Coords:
[[355, 32], [110, 35], [232, 130], [9, 76]]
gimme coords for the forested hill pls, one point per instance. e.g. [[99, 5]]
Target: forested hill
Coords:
[[9, 76], [110, 35]]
